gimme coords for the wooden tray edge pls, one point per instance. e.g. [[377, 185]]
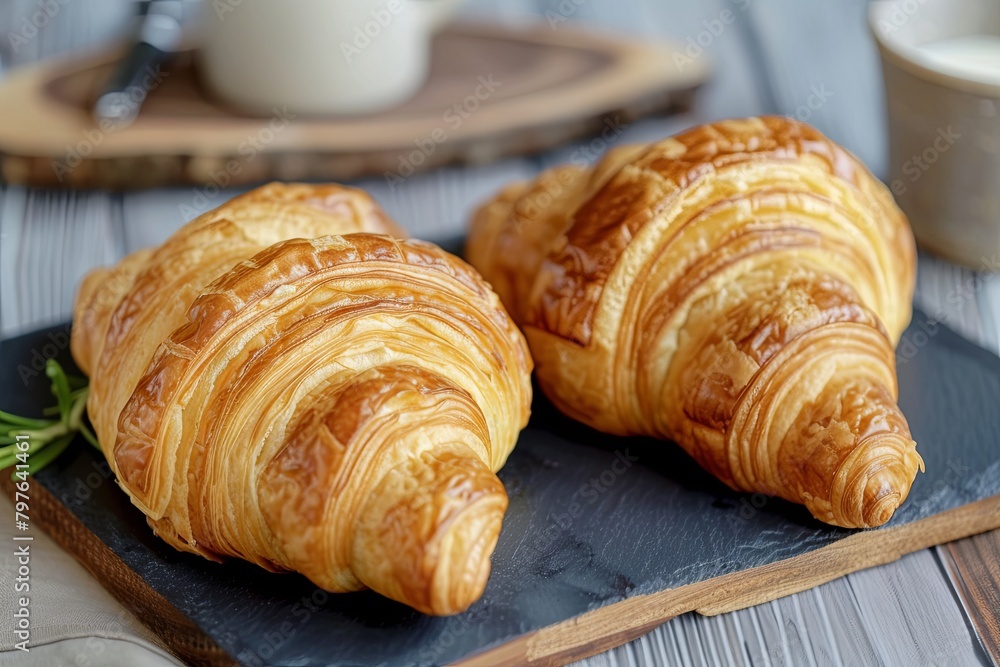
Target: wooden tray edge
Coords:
[[600, 630]]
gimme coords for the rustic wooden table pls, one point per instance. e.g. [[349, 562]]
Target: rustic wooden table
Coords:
[[812, 60]]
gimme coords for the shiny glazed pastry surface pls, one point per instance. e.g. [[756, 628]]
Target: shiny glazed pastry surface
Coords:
[[739, 289], [283, 383]]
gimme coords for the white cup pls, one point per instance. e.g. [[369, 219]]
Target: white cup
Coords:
[[944, 121], [318, 56]]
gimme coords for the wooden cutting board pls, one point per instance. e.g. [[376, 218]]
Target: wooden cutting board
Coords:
[[605, 537], [542, 87]]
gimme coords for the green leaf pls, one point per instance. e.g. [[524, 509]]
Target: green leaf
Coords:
[[14, 420], [49, 453], [36, 440], [77, 382], [48, 438], [60, 386], [90, 437]]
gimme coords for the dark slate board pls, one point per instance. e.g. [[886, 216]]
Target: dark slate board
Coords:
[[583, 529]]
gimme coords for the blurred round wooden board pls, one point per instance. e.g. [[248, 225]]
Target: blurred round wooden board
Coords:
[[493, 91]]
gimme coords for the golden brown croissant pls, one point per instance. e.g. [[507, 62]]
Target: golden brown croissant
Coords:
[[738, 288], [336, 406]]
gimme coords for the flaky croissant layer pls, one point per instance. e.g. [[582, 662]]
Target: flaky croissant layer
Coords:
[[336, 405], [737, 288]]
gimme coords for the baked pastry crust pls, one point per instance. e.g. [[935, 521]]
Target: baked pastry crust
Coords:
[[737, 288], [284, 383]]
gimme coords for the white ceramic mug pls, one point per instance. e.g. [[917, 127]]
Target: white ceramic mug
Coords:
[[944, 121], [318, 56]]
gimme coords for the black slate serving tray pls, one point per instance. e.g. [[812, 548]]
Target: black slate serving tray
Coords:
[[626, 532]]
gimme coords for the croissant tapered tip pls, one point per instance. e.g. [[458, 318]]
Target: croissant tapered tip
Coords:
[[881, 509], [463, 569], [888, 486], [426, 535], [879, 483]]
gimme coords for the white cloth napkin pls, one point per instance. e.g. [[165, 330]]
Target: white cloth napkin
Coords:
[[73, 620]]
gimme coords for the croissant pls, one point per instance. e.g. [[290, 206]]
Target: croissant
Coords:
[[282, 382], [738, 289]]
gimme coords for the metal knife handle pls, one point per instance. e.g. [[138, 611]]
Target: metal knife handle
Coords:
[[139, 71], [131, 82]]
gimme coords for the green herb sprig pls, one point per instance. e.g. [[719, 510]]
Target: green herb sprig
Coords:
[[47, 438]]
